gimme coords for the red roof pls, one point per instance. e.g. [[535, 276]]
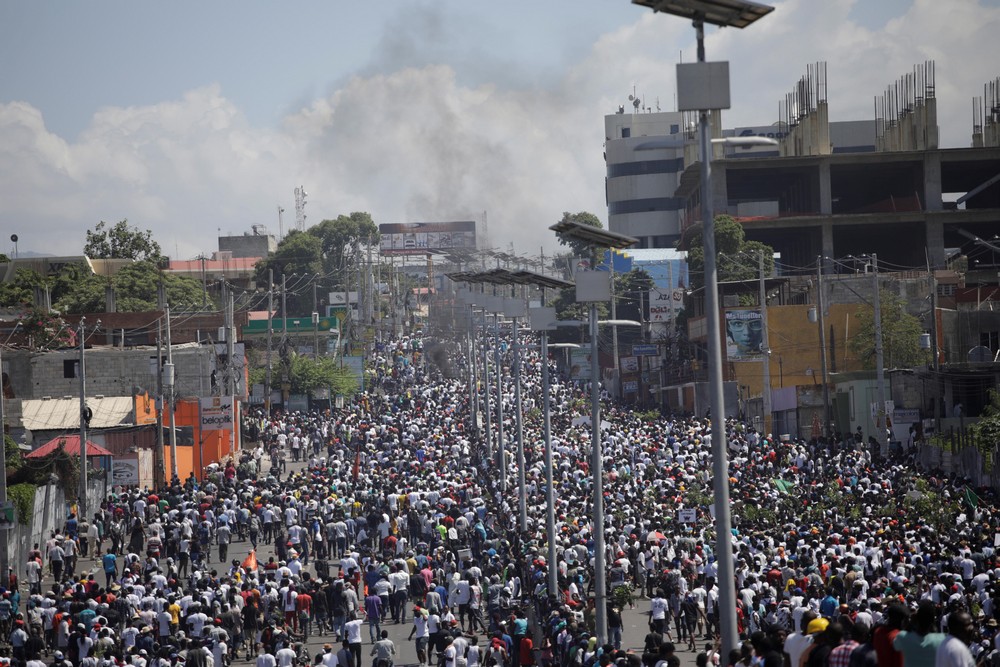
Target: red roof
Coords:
[[69, 443]]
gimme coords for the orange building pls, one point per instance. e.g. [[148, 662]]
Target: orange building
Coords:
[[197, 448]]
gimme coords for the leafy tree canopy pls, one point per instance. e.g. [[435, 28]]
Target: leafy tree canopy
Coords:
[[300, 253], [20, 292], [338, 235], [121, 241], [900, 334], [737, 257], [136, 290], [987, 429], [581, 248], [308, 374]]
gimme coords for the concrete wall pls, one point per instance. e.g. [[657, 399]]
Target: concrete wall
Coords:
[[110, 372], [795, 351], [249, 245], [48, 514]]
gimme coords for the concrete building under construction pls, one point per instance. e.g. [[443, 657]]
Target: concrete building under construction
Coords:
[[835, 189]]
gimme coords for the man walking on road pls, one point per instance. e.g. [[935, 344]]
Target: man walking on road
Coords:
[[384, 651]]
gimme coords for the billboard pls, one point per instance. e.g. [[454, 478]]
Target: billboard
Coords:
[[580, 365], [744, 335], [665, 304], [424, 238], [125, 471], [217, 413]]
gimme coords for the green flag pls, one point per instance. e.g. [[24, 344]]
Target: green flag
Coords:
[[971, 497], [784, 486]]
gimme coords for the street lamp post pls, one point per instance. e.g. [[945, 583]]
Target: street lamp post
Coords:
[[702, 87], [882, 427], [594, 287], [515, 310]]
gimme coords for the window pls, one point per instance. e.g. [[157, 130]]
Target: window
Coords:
[[645, 205], [674, 129], [646, 167], [626, 132], [69, 368]]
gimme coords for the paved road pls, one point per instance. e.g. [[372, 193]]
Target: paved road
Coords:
[[635, 620]]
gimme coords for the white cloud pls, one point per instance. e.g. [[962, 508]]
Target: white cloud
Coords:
[[420, 143]]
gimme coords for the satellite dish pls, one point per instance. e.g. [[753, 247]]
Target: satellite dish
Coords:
[[631, 97], [635, 103], [13, 238], [980, 355]]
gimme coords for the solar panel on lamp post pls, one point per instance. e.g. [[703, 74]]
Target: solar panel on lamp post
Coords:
[[703, 87]]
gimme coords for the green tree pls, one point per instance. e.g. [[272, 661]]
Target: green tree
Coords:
[[13, 453], [339, 235], [631, 290], [900, 334], [121, 241], [20, 291], [299, 259], [987, 430], [582, 248], [307, 374], [736, 257], [136, 290]]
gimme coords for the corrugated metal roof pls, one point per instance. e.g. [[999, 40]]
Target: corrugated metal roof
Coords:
[[71, 445], [64, 413]]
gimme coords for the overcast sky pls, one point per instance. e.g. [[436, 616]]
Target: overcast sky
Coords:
[[191, 118]]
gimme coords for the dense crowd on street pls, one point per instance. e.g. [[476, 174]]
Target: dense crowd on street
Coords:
[[388, 511]]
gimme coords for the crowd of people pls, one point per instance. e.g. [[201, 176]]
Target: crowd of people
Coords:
[[388, 511]]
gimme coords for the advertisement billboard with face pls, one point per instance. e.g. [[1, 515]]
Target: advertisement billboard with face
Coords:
[[744, 335], [426, 238]]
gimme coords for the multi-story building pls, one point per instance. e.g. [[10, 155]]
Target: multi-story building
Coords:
[[839, 191]]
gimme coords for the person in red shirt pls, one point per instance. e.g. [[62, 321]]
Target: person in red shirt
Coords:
[[896, 616], [303, 607], [526, 653]]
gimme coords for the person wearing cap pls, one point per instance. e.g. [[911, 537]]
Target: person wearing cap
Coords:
[[818, 652]]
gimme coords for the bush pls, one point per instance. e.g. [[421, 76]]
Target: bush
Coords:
[[23, 497]]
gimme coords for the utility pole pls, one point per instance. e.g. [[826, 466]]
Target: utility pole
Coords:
[[231, 370], [883, 430], [4, 533], [501, 449], [934, 347], [168, 382], [84, 422], [270, 333], [614, 317], [161, 469], [284, 341], [315, 318], [820, 307], [765, 349], [522, 495]]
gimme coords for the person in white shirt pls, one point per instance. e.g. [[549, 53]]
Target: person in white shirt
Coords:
[[954, 650], [798, 642], [286, 656]]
